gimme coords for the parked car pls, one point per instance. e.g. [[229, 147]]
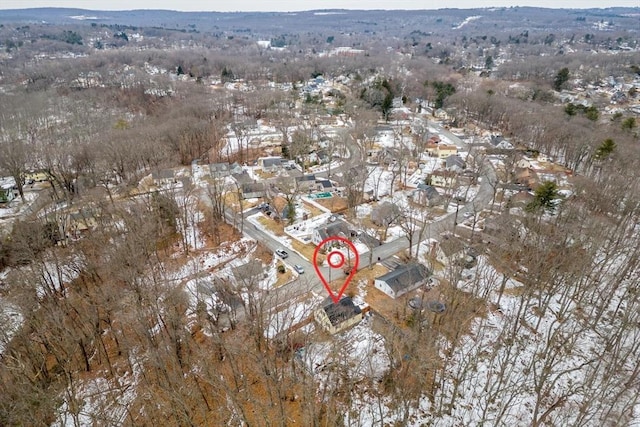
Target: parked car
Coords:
[[298, 269], [282, 253]]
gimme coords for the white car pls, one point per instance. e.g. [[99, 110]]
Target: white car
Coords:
[[282, 253], [298, 269]]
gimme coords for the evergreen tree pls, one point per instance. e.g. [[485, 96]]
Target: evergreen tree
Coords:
[[544, 197], [605, 149], [561, 78]]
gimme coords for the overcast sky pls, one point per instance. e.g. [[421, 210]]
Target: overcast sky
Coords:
[[294, 5]]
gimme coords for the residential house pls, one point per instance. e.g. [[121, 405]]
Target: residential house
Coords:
[[337, 317], [524, 163], [306, 183], [441, 114], [497, 141], [445, 150], [385, 214], [253, 190], [270, 164], [248, 187], [527, 177], [431, 148], [219, 170], [442, 178], [449, 250], [241, 178], [319, 157], [426, 195], [403, 279], [164, 177], [372, 156], [324, 185], [7, 192], [467, 177], [454, 163], [249, 275], [332, 229], [389, 156], [82, 221], [36, 176]]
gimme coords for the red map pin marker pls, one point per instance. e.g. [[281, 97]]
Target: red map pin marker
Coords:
[[336, 259]]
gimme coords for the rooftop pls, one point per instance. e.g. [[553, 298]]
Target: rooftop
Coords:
[[405, 276], [341, 311]]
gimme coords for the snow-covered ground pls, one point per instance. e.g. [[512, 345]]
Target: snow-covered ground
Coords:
[[379, 181], [17, 206], [360, 350], [98, 400], [292, 315], [10, 320]]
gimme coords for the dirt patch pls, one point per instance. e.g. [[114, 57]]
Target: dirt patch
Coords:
[[365, 274], [313, 210], [304, 249], [274, 227], [283, 278], [263, 174], [334, 204], [263, 254]]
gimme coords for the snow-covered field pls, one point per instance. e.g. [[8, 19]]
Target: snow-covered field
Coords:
[[359, 349], [379, 182]]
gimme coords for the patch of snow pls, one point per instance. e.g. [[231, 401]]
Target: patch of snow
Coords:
[[10, 321]]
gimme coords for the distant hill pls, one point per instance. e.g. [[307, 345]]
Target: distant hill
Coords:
[[353, 20]]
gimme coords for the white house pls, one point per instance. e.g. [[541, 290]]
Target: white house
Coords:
[[442, 178], [270, 164], [403, 279]]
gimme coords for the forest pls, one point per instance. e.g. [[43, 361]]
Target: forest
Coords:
[[138, 187]]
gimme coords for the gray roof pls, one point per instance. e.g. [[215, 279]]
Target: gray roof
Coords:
[[451, 246], [332, 229], [269, 162], [341, 311], [325, 183], [385, 213], [454, 161], [495, 140], [405, 276], [242, 178], [429, 191], [219, 168], [247, 273], [305, 178], [253, 187]]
